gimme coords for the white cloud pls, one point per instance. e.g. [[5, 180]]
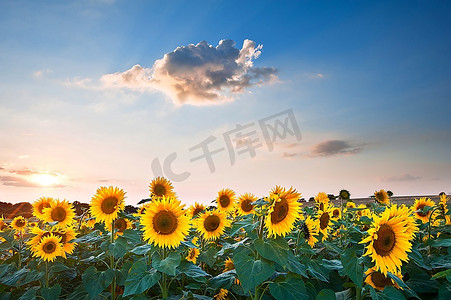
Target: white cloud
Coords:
[[405, 177], [197, 74]]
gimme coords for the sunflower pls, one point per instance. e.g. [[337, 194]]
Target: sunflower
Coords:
[[350, 204], [222, 295], [195, 241], [321, 200], [418, 208], [39, 205], [19, 224], [336, 213], [61, 212], [363, 211], [3, 225], [226, 200], [120, 225], [283, 213], [389, 240], [444, 208], [344, 194], [211, 224], [193, 253], [195, 209], [161, 187], [49, 248], [106, 204], [245, 206], [382, 197], [66, 235], [407, 215], [310, 230], [379, 281], [165, 223], [324, 221]]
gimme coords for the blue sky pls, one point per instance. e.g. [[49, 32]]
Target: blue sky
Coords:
[[368, 82]]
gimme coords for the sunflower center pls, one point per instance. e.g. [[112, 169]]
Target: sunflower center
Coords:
[[336, 213], [386, 240], [41, 207], [49, 247], [61, 235], [109, 205], [321, 206], [159, 190], [324, 220], [197, 211], [192, 254], [211, 223], [20, 223], [280, 211], [165, 222], [420, 212], [58, 214], [246, 205], [120, 225], [380, 280], [224, 201]]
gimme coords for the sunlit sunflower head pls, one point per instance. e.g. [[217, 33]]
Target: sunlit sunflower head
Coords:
[[321, 200], [345, 195], [382, 197], [389, 240], [283, 212], [245, 206], [39, 205], [165, 223], [444, 208], [228, 265], [19, 224], [226, 200], [3, 224], [324, 221], [276, 191], [193, 253], [107, 203], [120, 225], [418, 208], [211, 224], [379, 281], [310, 230], [350, 204], [363, 211], [161, 187], [336, 213], [195, 210], [60, 211], [49, 248], [222, 295], [66, 236]]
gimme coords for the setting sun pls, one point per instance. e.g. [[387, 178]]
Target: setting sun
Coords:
[[45, 179]]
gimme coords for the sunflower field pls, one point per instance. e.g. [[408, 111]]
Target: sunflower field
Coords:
[[241, 247]]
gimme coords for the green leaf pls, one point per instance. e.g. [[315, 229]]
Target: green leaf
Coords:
[[224, 280], [393, 294], [273, 249], [167, 265], [295, 266], [209, 256], [118, 248], [139, 279], [29, 295], [326, 294], [142, 250], [446, 273], [292, 288], [51, 293], [441, 243], [317, 271], [352, 267], [193, 271], [95, 282], [251, 272], [131, 236], [334, 264]]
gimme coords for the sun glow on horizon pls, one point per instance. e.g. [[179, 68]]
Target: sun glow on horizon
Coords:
[[45, 179]]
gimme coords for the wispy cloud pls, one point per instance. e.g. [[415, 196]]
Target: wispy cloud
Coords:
[[22, 182], [27, 172], [335, 147], [195, 74], [315, 75], [405, 177]]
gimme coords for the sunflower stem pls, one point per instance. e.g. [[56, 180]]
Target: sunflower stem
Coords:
[[164, 288], [358, 291], [113, 284], [46, 274]]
